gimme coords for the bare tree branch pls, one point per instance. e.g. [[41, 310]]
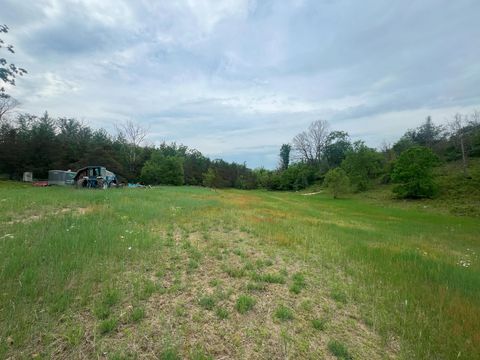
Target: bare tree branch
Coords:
[[310, 145], [7, 104]]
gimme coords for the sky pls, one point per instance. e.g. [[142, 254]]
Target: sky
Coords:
[[236, 79]]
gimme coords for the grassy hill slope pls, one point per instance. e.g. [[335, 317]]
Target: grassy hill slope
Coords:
[[192, 273]]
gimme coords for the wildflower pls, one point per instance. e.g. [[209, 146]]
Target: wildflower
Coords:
[[129, 248]]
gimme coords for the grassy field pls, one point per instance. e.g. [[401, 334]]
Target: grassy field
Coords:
[[171, 273]]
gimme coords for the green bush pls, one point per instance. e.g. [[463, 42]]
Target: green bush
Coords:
[[413, 172], [337, 182]]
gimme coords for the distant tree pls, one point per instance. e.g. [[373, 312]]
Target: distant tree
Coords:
[[8, 71], [310, 145], [413, 172], [210, 178], [131, 135], [285, 156], [362, 165], [298, 176], [7, 105], [459, 131], [337, 182], [163, 170], [428, 134], [336, 149]]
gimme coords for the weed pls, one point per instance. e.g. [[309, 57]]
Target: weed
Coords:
[[244, 304]]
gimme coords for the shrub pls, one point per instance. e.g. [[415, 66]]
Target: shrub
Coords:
[[413, 172], [337, 182]]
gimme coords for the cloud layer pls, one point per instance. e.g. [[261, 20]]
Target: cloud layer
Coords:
[[237, 78]]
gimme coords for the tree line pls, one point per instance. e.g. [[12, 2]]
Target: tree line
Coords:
[[318, 154]]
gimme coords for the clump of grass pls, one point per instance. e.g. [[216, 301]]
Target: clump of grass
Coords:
[[339, 350], [284, 313], [339, 296], [255, 286], [107, 326], [319, 324], [298, 283], [269, 278], [74, 334], [207, 302], [200, 354], [103, 309], [192, 265], [235, 272], [222, 313], [169, 353], [214, 282], [137, 314], [244, 304]]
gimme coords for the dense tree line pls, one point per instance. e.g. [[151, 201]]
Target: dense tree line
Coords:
[[41, 143]]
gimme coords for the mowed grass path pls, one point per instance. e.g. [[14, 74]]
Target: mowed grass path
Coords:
[[193, 273]]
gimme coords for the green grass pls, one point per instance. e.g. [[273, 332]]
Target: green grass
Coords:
[[207, 302], [244, 304], [339, 350], [284, 313], [74, 262]]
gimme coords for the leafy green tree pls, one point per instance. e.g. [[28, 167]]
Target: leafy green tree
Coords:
[[285, 156], [165, 170], [210, 178], [337, 182], [362, 165], [8, 71], [413, 172], [337, 148]]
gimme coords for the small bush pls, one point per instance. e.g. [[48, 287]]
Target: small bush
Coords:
[[283, 313], [337, 182], [244, 303], [339, 350]]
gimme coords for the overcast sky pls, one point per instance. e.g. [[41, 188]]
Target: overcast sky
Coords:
[[237, 78]]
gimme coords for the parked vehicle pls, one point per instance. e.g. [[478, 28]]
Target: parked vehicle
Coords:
[[95, 177], [61, 177]]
